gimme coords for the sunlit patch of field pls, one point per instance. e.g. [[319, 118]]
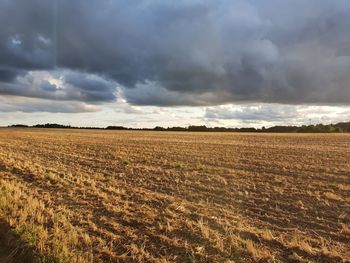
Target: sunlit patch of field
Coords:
[[129, 196]]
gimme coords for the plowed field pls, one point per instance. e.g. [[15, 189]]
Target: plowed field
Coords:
[[135, 196]]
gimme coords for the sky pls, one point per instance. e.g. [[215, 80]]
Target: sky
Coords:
[[147, 63]]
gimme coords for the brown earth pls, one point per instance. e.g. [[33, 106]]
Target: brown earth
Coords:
[[12, 250], [129, 196], [5, 248]]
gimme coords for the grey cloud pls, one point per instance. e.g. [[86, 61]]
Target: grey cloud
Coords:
[[151, 93], [34, 105], [254, 112], [123, 107], [277, 114], [47, 86], [154, 94], [71, 86], [93, 88], [7, 75], [193, 52]]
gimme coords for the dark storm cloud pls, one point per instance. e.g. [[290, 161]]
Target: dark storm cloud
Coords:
[[192, 52], [7, 75], [93, 88]]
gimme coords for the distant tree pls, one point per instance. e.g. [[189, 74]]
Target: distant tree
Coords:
[[176, 129], [247, 130], [197, 128], [158, 128], [52, 125], [282, 129], [19, 126], [116, 128], [344, 126]]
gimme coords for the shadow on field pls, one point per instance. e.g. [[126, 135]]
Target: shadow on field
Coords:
[[12, 250]]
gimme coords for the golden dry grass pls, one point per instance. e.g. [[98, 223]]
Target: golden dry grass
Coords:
[[129, 196]]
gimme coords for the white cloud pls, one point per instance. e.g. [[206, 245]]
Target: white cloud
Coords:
[[275, 114]]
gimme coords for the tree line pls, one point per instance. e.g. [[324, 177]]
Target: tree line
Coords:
[[318, 128]]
